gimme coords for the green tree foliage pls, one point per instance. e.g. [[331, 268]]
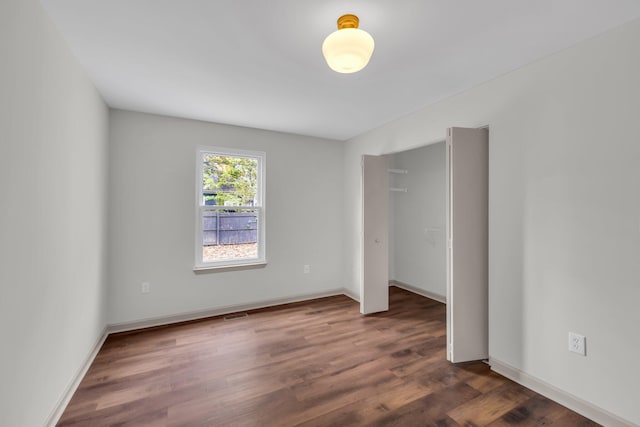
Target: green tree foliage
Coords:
[[233, 179]]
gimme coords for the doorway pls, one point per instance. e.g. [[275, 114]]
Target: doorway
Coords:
[[462, 237]]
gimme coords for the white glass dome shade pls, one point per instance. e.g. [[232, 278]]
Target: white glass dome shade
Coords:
[[349, 49]]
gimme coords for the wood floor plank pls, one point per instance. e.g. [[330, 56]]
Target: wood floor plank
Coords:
[[372, 408], [536, 411], [490, 406], [314, 363], [429, 410]]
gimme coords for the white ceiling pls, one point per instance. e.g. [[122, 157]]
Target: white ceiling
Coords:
[[258, 63]]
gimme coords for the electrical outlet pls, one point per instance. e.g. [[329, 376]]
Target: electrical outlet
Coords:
[[577, 343], [306, 269], [145, 288]]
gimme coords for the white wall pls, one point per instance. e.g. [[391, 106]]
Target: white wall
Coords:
[[53, 136], [152, 217], [564, 209], [418, 217]]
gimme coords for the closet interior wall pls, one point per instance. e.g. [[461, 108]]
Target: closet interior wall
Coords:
[[417, 201]]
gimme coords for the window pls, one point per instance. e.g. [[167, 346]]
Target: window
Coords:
[[230, 208]]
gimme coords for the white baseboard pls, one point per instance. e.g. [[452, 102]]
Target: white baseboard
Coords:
[[219, 311], [572, 402], [55, 415], [416, 290], [351, 294]]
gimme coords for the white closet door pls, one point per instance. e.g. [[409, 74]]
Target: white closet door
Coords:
[[374, 285], [467, 254]]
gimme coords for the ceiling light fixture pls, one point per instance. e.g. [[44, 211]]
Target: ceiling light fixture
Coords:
[[349, 49]]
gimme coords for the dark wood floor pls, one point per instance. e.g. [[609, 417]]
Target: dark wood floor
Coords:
[[318, 363]]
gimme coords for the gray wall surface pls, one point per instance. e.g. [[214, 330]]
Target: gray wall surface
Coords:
[[152, 155], [53, 142]]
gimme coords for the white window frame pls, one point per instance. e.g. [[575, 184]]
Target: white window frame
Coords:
[[259, 207]]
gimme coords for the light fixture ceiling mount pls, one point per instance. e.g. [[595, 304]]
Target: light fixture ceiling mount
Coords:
[[348, 49]]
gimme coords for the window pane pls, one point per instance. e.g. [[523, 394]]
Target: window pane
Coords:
[[229, 180], [230, 204], [229, 234]]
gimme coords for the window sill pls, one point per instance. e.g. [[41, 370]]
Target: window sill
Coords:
[[230, 267]]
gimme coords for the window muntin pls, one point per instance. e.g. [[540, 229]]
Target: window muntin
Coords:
[[230, 208]]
